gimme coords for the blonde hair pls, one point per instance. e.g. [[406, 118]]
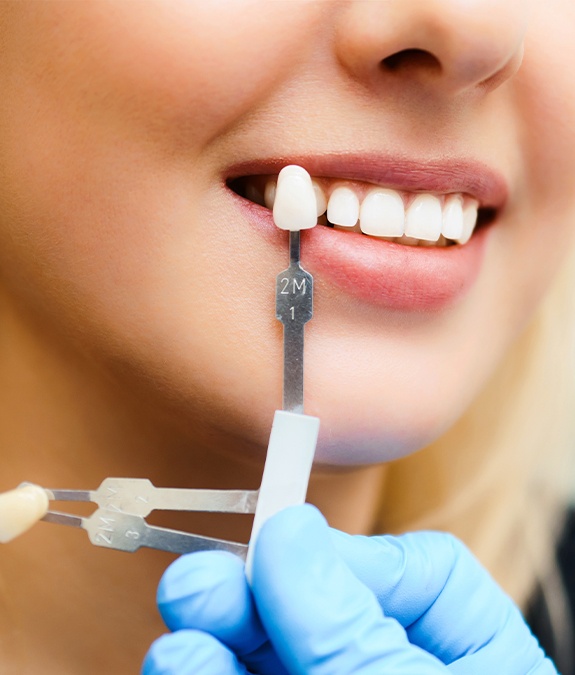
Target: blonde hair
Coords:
[[500, 479]]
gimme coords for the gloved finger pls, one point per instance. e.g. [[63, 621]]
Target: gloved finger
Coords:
[[448, 603], [512, 650], [208, 591], [319, 616], [190, 652]]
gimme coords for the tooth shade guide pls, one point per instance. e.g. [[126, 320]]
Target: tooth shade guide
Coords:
[[20, 509], [270, 195], [295, 205]]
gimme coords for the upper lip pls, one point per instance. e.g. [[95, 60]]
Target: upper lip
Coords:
[[418, 175]]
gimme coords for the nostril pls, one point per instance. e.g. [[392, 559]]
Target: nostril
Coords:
[[408, 59]]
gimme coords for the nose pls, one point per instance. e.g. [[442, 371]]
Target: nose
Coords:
[[451, 46]]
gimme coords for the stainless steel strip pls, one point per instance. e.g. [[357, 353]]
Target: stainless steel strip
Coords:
[[126, 532], [138, 496], [63, 519], [294, 308]]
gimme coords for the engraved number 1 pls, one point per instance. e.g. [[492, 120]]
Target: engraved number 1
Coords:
[[292, 310]]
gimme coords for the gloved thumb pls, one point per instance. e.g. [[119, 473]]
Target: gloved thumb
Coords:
[[318, 615]]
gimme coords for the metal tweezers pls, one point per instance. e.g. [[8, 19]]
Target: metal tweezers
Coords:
[[123, 504]]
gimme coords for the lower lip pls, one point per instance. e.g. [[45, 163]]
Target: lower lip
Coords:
[[381, 273]]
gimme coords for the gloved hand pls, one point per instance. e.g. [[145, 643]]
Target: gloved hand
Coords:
[[325, 602]]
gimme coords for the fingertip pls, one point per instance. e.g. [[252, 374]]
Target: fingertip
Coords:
[[190, 652], [203, 590], [296, 517], [292, 525], [195, 572], [208, 591]]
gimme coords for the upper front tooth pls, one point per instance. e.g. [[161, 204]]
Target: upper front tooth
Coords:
[[343, 207], [424, 218], [452, 227], [382, 214], [469, 221], [295, 205], [319, 198]]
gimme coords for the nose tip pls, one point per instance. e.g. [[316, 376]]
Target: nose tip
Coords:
[[452, 46]]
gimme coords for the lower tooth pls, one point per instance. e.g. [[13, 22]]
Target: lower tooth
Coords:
[[344, 228], [408, 241]]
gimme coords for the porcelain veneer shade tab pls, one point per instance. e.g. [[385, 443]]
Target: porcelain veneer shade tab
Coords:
[[20, 509], [295, 204]]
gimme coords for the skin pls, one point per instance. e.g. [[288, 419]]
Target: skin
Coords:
[[137, 335]]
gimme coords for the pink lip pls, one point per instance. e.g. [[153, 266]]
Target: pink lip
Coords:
[[381, 273], [443, 176]]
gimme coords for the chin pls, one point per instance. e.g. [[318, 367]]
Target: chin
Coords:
[[367, 436]]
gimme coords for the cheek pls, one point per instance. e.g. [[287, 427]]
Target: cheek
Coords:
[[545, 95], [175, 69], [543, 227], [157, 291], [108, 229], [112, 107]]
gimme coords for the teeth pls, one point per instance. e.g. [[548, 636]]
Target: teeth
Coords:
[[343, 207], [408, 241], [297, 201], [319, 198], [382, 214], [269, 194], [424, 218], [295, 206], [452, 227], [469, 221], [254, 195]]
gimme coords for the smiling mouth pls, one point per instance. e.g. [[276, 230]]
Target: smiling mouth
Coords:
[[407, 217], [413, 269]]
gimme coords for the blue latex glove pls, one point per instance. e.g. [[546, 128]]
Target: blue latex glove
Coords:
[[325, 602]]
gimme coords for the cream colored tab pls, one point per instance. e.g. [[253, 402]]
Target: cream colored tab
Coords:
[[20, 509]]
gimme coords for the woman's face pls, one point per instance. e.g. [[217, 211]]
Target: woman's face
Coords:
[[123, 124]]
